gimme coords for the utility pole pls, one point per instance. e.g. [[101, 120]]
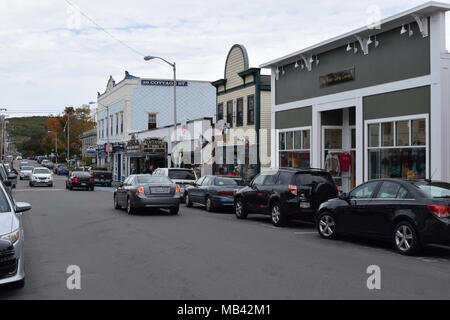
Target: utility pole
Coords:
[[2, 154]]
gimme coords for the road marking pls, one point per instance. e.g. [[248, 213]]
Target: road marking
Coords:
[[38, 190], [306, 232]]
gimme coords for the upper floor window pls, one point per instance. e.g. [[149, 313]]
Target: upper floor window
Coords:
[[152, 121], [251, 110], [230, 113], [240, 112], [112, 124], [121, 122], [220, 112], [117, 123]]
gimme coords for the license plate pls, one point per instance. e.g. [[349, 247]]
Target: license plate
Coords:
[[305, 205], [160, 190], [83, 184]]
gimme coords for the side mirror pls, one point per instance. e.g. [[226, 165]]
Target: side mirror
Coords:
[[343, 196], [120, 185], [22, 207], [7, 183]]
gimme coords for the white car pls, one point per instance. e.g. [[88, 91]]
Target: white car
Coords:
[[25, 173], [41, 177], [19, 158]]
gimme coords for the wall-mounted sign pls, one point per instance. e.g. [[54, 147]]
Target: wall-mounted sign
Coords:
[[163, 83], [133, 146], [335, 78], [154, 146]]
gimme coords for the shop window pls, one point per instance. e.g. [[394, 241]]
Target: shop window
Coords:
[[418, 132], [353, 139], [251, 110], [282, 141], [152, 121], [230, 113], [240, 112], [306, 139], [298, 140], [220, 112], [374, 135], [404, 156], [402, 133], [294, 149], [289, 140], [387, 133], [333, 139]]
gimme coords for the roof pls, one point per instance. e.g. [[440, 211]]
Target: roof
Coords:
[[389, 23]]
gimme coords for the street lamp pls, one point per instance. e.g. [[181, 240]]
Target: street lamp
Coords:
[[174, 66]]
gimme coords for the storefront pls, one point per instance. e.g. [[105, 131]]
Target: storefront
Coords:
[[144, 156], [370, 104]]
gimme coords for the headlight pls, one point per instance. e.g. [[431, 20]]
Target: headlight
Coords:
[[12, 237]]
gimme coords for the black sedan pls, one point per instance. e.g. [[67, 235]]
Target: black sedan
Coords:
[[409, 213], [147, 191], [80, 180], [213, 192]]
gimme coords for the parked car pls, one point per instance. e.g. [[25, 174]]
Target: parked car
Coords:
[[41, 177], [6, 178], [102, 177], [147, 191], [213, 192], [408, 213], [9, 158], [11, 240], [61, 170], [80, 180], [24, 163], [286, 194], [182, 177], [19, 158], [26, 172]]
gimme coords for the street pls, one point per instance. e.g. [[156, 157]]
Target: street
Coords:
[[200, 255]]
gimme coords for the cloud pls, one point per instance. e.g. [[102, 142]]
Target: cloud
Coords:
[[52, 57]]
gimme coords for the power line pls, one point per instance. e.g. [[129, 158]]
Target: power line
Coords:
[[103, 29]]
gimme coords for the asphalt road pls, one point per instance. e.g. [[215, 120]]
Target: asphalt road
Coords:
[[200, 255]]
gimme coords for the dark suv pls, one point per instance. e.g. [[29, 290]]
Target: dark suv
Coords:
[[285, 194]]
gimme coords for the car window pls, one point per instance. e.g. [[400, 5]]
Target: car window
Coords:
[[436, 189], [200, 181], [388, 190], [225, 182], [402, 193], [207, 181], [181, 174], [259, 180], [364, 192], [271, 179], [308, 179], [4, 204], [82, 174], [41, 171], [284, 178], [152, 180], [27, 168], [127, 181]]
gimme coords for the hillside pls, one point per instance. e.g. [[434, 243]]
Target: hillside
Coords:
[[28, 133]]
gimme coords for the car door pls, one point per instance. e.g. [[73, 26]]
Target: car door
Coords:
[[203, 189], [354, 218], [253, 193], [266, 191], [194, 192], [391, 196], [121, 191]]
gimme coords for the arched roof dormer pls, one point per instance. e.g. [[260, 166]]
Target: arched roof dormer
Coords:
[[237, 61]]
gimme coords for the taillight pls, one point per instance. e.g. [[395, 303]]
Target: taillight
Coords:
[[440, 211], [338, 190], [293, 189], [74, 180], [140, 191], [177, 190], [91, 180], [226, 193]]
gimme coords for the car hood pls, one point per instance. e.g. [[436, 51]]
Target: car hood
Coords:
[[26, 171], [7, 223], [42, 175]]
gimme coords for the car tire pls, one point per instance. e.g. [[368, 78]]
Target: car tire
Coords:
[[326, 226], [130, 209], [240, 210], [187, 201], [116, 203], [277, 215], [19, 284], [174, 211], [209, 205], [71, 188], [405, 239]]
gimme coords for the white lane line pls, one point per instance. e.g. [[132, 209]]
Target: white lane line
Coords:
[[305, 233], [37, 190]]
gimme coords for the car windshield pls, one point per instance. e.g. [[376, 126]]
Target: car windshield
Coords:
[[4, 204], [82, 174], [226, 182], [41, 171], [27, 168], [436, 189], [182, 175], [152, 180]]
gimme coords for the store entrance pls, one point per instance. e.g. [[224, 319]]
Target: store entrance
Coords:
[[338, 148]]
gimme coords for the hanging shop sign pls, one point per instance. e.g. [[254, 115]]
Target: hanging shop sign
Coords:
[[163, 83], [133, 146], [335, 78], [154, 146]]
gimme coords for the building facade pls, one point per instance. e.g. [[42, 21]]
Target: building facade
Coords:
[[372, 103], [137, 104], [89, 143], [243, 116]]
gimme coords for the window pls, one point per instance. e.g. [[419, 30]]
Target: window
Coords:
[[271, 178], [230, 113], [112, 125], [398, 149], [259, 180], [220, 112], [251, 110], [364, 192], [294, 149], [117, 123], [388, 190], [121, 122], [152, 121], [284, 178], [200, 181], [240, 112], [333, 139]]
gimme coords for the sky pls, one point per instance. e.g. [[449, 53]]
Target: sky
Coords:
[[54, 56]]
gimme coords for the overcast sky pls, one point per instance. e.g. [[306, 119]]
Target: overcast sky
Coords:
[[51, 59]]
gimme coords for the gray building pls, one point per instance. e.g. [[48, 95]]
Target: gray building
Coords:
[[89, 143], [371, 103]]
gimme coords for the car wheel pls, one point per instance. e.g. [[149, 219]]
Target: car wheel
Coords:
[[405, 238], [116, 203], [278, 217], [187, 201], [174, 211], [71, 188], [240, 210], [326, 226], [130, 209], [209, 205]]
